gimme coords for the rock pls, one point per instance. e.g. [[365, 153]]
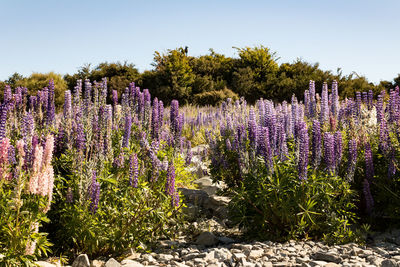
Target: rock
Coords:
[[267, 264], [397, 241], [97, 263], [81, 261], [178, 264], [112, 263], [255, 254], [206, 239], [193, 196], [193, 255], [45, 264], [331, 264], [239, 256], [191, 211], [226, 240], [131, 263], [203, 182], [165, 257], [326, 256], [389, 263], [282, 264], [216, 201], [317, 263]]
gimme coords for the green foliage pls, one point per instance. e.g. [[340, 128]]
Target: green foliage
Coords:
[[21, 216], [254, 72], [173, 76], [280, 206], [214, 97], [126, 216]]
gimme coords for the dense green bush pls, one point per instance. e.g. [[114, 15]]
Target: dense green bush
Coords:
[[278, 205], [214, 97]]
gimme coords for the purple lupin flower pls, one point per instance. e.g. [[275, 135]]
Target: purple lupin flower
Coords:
[[369, 201], [265, 148], [87, 99], [365, 98], [271, 124], [94, 192], [67, 104], [32, 102], [324, 103], [383, 137], [379, 109], [189, 153], [338, 144], [174, 113], [370, 99], [107, 128], [7, 94], [303, 153], [51, 109], [155, 119], [352, 159], [160, 113], [175, 200], [133, 170], [141, 106], [104, 90], [316, 143], [27, 127], [358, 103], [294, 113], [115, 98], [369, 165], [252, 128], [307, 102], [335, 99], [11, 155], [228, 144], [127, 132], [281, 141], [313, 104], [80, 138], [329, 151], [147, 109]]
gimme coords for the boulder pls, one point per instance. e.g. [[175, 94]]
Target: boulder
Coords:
[[81, 261], [206, 239]]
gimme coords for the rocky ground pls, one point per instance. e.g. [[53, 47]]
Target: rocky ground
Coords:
[[211, 241]]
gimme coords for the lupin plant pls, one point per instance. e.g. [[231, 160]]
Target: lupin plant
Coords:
[[324, 136]]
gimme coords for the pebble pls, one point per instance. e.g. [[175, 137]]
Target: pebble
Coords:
[[256, 254]]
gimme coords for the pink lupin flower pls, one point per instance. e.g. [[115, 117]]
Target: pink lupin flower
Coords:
[[36, 168], [4, 144], [48, 151], [50, 185]]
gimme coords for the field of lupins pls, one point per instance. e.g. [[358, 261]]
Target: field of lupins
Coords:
[[101, 175]]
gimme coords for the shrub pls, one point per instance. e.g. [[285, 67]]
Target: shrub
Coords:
[[278, 205], [214, 97]]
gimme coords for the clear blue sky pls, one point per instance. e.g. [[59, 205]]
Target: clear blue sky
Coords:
[[61, 36]]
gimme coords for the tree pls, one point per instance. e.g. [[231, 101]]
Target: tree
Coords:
[[255, 72], [172, 75], [14, 79]]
